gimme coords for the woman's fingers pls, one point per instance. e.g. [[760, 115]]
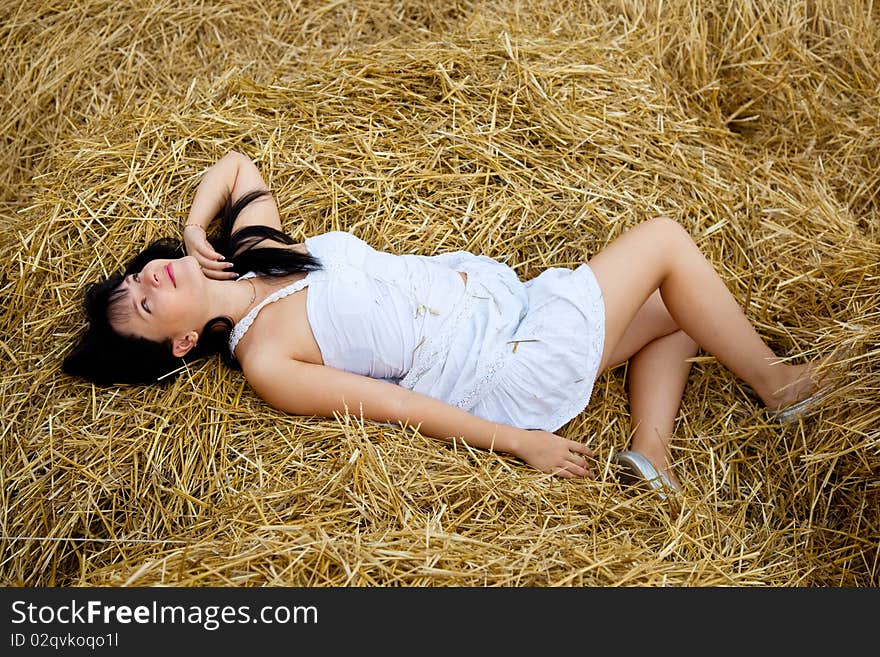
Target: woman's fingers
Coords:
[[572, 466], [580, 469], [219, 275], [556, 455], [574, 446], [214, 268], [199, 247], [576, 470], [577, 463], [207, 251], [196, 241], [572, 471], [218, 271], [211, 265], [581, 463]]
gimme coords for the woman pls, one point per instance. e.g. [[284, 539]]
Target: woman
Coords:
[[454, 344]]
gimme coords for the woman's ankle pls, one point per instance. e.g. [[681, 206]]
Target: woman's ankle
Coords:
[[797, 383]]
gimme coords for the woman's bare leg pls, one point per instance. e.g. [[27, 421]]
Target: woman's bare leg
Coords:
[[657, 376], [657, 351], [659, 253]]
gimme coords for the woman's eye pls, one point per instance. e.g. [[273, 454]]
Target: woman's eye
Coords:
[[137, 279]]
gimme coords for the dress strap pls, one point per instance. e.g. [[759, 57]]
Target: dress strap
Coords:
[[244, 324]]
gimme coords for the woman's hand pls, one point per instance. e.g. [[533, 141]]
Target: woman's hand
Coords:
[[212, 263], [555, 455]]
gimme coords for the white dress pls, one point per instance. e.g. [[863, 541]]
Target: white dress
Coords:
[[521, 353]]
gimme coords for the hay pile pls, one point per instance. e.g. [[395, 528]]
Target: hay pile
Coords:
[[530, 131]]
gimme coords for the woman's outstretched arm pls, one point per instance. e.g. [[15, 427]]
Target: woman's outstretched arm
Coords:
[[307, 389]]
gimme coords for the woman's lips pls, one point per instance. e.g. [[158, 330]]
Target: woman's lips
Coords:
[[170, 273]]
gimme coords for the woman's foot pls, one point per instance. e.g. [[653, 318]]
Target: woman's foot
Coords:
[[806, 386], [637, 469], [801, 383], [659, 458]]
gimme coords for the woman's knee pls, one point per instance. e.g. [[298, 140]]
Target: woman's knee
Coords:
[[668, 227], [667, 237]]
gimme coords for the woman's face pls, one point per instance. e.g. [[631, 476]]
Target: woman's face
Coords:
[[164, 300]]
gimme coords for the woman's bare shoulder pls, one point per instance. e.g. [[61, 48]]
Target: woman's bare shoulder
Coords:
[[262, 357]]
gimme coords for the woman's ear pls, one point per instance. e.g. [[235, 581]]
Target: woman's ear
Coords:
[[183, 345]]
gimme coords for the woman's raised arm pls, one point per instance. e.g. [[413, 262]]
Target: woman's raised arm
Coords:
[[308, 389], [231, 177]]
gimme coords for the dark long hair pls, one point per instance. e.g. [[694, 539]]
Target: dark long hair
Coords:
[[106, 357]]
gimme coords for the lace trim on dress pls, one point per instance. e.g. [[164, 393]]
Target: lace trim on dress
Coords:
[[433, 349], [483, 385], [244, 324]]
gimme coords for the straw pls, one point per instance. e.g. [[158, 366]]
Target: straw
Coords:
[[531, 132]]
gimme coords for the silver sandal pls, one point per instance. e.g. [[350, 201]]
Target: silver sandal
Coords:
[[637, 468], [805, 407], [800, 409]]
